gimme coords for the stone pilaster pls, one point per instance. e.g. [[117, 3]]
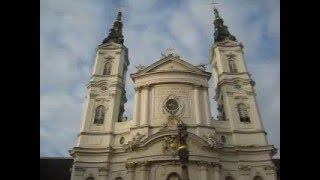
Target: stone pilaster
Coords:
[[217, 170], [207, 106], [130, 170], [145, 168], [270, 171], [197, 104], [145, 105], [104, 173], [203, 167], [244, 171], [136, 111]]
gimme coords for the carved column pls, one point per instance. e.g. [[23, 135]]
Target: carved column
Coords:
[[104, 172], [203, 167], [136, 111], [130, 170], [145, 105], [197, 104], [244, 171], [145, 167], [271, 171], [216, 170], [207, 106]]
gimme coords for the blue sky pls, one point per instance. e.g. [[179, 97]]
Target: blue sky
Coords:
[[70, 30]]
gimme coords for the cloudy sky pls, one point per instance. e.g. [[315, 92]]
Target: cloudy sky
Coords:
[[70, 31]]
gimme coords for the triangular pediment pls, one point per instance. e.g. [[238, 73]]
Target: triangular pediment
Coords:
[[170, 64]]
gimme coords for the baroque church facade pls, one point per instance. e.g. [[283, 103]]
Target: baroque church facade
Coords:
[[172, 135]]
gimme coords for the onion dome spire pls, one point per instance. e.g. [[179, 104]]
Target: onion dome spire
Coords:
[[115, 33], [221, 31]]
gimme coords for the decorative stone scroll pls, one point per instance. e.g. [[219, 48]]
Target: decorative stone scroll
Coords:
[[244, 168], [269, 167], [103, 171], [203, 165], [170, 145], [136, 140], [212, 140], [143, 164], [131, 165]]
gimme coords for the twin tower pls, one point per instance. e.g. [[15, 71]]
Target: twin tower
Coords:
[[170, 92]]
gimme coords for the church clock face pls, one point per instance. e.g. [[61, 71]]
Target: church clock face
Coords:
[[172, 105]]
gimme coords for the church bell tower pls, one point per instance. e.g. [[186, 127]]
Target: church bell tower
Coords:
[[104, 106], [235, 93]]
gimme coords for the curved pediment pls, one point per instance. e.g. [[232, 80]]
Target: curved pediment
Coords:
[[171, 64], [160, 137]]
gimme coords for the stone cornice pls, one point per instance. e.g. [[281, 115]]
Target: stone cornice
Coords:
[[228, 44], [249, 131], [77, 168], [204, 165], [239, 73], [254, 148], [77, 150], [176, 81], [244, 168], [114, 84], [106, 77], [232, 81], [134, 76], [95, 133], [248, 149]]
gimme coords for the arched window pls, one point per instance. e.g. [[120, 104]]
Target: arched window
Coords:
[[232, 66], [99, 115], [243, 113], [173, 176], [107, 68], [257, 178], [118, 178], [229, 178]]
